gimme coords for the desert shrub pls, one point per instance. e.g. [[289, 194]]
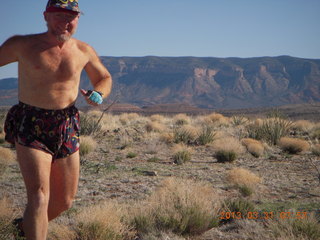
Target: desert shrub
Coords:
[[316, 133], [89, 125], [238, 120], [181, 154], [6, 158], [101, 222], [185, 134], [297, 229], [239, 205], [6, 217], [206, 135], [126, 118], [243, 177], [245, 191], [181, 206], [303, 126], [181, 119], [227, 149], [293, 145], [316, 150], [225, 156], [154, 127], [157, 118], [87, 145], [253, 146], [167, 137], [58, 231], [216, 119], [271, 130]]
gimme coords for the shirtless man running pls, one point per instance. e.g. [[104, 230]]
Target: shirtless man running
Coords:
[[44, 126]]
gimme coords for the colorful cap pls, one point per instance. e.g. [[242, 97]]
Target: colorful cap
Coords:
[[71, 5]]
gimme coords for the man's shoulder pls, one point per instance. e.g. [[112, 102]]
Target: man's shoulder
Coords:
[[84, 47], [22, 39]]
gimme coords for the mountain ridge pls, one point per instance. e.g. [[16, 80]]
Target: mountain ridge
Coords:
[[211, 82]]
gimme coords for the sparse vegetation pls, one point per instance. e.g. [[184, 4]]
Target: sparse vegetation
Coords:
[[142, 178]]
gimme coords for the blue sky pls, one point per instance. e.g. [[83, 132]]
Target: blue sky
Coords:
[[214, 28]]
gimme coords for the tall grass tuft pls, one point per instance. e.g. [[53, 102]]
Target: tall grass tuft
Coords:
[[6, 158], [87, 145], [101, 222], [181, 154], [181, 206], [293, 145], [6, 217]]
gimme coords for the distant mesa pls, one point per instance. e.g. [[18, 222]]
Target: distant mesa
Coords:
[[151, 82]]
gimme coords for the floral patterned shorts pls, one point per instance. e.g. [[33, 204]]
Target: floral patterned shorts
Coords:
[[53, 131]]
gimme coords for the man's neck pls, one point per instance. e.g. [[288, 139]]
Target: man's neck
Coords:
[[54, 41]]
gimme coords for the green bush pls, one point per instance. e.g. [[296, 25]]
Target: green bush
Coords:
[[225, 156], [240, 205], [183, 135], [271, 130], [207, 135], [131, 155], [238, 120]]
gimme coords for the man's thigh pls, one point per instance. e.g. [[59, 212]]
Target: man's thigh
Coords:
[[35, 166], [64, 177]]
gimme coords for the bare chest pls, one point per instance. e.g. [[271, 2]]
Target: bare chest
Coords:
[[54, 64]]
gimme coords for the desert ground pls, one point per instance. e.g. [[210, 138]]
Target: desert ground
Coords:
[[180, 176]]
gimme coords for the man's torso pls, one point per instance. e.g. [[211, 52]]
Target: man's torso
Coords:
[[49, 77]]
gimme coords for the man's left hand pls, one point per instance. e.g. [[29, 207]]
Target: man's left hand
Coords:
[[92, 97]]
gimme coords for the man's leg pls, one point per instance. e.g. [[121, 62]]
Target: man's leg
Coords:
[[63, 184], [35, 166]]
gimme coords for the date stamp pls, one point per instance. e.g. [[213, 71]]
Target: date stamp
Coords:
[[256, 215]]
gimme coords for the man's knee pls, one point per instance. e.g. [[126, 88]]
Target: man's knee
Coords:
[[38, 198]]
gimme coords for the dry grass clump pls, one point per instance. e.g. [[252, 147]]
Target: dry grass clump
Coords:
[[227, 149], [293, 145], [216, 119], [253, 146], [126, 118], [181, 119], [6, 217], [101, 222], [186, 134], [167, 137], [59, 231], [87, 145], [155, 127], [94, 113], [228, 144], [181, 206], [6, 158], [241, 176], [316, 150], [181, 153], [303, 125], [295, 229], [157, 118]]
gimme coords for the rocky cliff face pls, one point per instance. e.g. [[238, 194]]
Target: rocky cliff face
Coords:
[[216, 82], [213, 82]]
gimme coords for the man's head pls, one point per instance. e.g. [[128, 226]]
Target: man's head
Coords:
[[62, 18]]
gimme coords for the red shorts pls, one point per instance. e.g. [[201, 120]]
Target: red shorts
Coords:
[[53, 131]]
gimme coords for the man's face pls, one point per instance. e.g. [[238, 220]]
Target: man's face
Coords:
[[62, 25]]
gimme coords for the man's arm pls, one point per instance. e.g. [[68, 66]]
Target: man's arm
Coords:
[[9, 50], [98, 74]]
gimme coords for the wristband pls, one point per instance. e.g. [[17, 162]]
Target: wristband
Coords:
[[95, 96]]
